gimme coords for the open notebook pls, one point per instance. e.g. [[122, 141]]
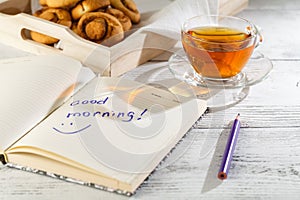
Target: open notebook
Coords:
[[58, 117]]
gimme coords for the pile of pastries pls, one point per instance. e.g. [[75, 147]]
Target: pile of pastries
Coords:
[[100, 21]]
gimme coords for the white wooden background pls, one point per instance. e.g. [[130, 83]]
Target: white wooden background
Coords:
[[266, 163]]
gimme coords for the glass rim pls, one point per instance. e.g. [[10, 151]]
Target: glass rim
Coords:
[[253, 28]]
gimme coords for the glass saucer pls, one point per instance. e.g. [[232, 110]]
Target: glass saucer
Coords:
[[255, 71]]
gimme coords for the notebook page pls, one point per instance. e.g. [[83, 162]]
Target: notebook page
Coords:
[[31, 88], [117, 127]]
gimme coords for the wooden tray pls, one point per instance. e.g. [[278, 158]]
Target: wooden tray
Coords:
[[16, 22]]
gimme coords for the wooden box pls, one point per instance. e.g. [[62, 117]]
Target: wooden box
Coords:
[[16, 21]]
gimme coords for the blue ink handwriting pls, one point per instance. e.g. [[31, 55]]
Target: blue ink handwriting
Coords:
[[93, 101], [126, 116], [71, 132]]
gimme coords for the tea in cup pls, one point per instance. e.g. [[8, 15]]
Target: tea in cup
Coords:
[[219, 47]]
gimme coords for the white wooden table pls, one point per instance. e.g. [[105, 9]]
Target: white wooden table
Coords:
[[266, 163]]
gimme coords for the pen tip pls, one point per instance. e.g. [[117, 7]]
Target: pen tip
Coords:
[[238, 116]]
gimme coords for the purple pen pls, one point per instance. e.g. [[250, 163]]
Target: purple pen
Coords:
[[231, 142]]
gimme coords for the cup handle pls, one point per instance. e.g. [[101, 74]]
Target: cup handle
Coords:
[[260, 38]]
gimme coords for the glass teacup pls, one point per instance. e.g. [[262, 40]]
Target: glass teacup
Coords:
[[219, 47]]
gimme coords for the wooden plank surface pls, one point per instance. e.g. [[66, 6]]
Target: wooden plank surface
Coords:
[[266, 163], [232, 7]]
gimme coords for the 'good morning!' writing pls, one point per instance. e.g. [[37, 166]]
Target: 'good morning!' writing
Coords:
[[125, 116]]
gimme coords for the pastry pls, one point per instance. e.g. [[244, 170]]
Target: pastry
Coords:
[[74, 27], [128, 7], [55, 15], [59, 3], [124, 19], [100, 21], [88, 6], [41, 38], [101, 28], [43, 2]]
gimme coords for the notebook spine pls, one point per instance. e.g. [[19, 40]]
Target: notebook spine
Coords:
[[67, 179]]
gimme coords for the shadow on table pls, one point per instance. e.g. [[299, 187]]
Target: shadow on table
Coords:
[[218, 99], [211, 180], [159, 75]]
